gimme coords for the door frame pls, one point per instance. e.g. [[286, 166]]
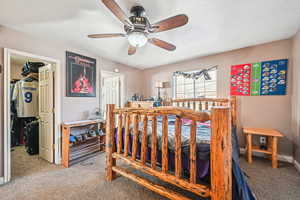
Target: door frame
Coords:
[[122, 85], [57, 107]]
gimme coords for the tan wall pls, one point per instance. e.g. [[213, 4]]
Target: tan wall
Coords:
[[261, 111], [296, 95], [73, 108]]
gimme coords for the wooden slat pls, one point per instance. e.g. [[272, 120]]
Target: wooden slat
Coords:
[[127, 132], [221, 154], [201, 99], [249, 148], [110, 141], [274, 152], [144, 140], [257, 149], [206, 105], [193, 169], [151, 186], [135, 136], [65, 146], [198, 189], [178, 161], [165, 144], [81, 123], [120, 129], [154, 143], [233, 102]]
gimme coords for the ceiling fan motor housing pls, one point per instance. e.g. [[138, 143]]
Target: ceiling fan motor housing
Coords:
[[138, 19], [138, 11]]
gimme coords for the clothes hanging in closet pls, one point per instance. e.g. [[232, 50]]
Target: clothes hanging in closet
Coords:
[[26, 97]]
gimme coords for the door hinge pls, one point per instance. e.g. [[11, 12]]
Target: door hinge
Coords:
[[0, 69], [53, 147]]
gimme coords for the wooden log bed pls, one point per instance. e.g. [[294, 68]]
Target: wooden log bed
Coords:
[[222, 116]]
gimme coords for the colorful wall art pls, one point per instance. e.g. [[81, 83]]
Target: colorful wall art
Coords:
[[262, 78], [81, 75]]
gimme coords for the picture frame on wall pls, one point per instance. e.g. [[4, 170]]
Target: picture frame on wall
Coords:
[[259, 79], [81, 75]]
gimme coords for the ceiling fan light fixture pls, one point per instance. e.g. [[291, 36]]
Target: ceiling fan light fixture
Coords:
[[137, 39]]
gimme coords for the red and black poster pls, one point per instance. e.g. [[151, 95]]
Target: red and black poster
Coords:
[[81, 75]]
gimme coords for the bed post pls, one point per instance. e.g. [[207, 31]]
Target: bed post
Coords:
[[110, 144], [233, 104], [221, 154]]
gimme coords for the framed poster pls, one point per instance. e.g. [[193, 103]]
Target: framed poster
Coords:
[[273, 77], [240, 80], [81, 75], [261, 78]]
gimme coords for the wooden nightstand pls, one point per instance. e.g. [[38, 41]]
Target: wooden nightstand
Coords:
[[272, 143]]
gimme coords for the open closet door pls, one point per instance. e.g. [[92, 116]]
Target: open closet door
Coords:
[[46, 129]]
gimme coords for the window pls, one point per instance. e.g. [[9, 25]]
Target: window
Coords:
[[192, 88]]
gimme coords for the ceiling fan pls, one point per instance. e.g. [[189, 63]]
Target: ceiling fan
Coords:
[[138, 27]]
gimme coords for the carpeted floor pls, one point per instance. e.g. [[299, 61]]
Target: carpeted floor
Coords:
[[36, 179]]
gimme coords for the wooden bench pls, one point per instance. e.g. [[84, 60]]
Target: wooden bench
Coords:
[[272, 136]]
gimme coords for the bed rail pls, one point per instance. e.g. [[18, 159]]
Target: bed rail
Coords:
[[220, 159]]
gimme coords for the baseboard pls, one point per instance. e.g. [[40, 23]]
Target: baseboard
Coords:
[[283, 158], [1, 180], [297, 165]]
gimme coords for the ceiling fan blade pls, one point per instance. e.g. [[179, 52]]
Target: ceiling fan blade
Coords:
[[162, 44], [131, 50], [107, 35], [117, 11], [170, 23]]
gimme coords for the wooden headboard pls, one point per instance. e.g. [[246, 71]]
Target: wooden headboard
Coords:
[[202, 104]]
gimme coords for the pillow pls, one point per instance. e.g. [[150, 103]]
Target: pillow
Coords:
[[201, 124]]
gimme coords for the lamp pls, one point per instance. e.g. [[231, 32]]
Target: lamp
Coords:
[[137, 39], [159, 85]]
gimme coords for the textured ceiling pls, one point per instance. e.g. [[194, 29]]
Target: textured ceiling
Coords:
[[214, 25]]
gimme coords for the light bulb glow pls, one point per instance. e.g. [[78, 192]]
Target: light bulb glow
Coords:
[[137, 39]]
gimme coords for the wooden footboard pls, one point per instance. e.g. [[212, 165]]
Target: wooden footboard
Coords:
[[220, 156]]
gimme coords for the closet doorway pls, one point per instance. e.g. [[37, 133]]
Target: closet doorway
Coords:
[[112, 86], [31, 125]]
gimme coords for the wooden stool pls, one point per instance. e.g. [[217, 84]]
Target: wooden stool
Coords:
[[272, 143]]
